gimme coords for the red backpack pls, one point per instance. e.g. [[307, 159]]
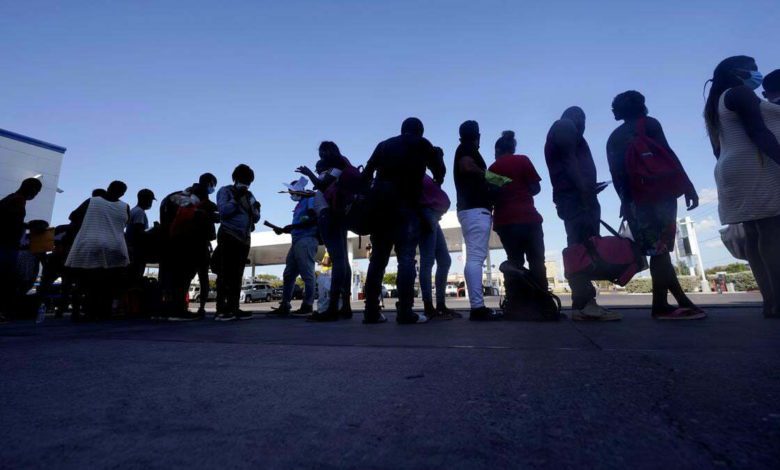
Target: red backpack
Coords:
[[653, 172]]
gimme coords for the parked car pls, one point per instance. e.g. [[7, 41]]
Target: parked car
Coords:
[[195, 293], [261, 291], [451, 290], [277, 293]]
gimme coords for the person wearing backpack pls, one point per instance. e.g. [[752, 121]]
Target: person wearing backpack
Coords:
[[474, 214], [648, 178], [745, 136], [330, 206], [187, 222], [515, 218], [239, 211], [399, 164]]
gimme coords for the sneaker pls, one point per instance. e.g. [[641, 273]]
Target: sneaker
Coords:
[[201, 313], [444, 313], [485, 314], [224, 317], [282, 310], [374, 319], [184, 317], [681, 314], [410, 318], [326, 316], [594, 312], [242, 315], [304, 311]]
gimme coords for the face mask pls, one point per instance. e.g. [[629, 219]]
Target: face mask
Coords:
[[241, 185], [210, 189], [754, 80]]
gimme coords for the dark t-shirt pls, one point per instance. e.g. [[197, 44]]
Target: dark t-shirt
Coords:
[[472, 189], [561, 183], [514, 204], [12, 214], [402, 161]]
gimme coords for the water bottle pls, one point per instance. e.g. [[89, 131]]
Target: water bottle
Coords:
[[41, 315]]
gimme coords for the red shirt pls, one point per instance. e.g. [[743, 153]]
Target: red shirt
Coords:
[[515, 205]]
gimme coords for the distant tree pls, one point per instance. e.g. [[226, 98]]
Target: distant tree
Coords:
[[732, 268], [390, 278], [269, 278]]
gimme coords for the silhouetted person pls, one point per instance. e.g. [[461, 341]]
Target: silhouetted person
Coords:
[[744, 134], [433, 249], [474, 214], [13, 210], [515, 218], [99, 256], [653, 224], [54, 268], [303, 251], [135, 233], [239, 211], [573, 178], [771, 86], [187, 222], [332, 228], [399, 164]]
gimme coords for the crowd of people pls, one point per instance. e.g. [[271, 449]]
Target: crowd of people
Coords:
[[397, 199]]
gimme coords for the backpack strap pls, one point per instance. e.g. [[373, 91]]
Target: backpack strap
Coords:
[[610, 229], [641, 125]]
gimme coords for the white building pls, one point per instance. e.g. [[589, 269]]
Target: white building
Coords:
[[24, 157]]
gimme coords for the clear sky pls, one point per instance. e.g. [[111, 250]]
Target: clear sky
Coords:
[[156, 92]]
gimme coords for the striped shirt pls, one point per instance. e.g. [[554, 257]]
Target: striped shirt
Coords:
[[748, 182], [100, 242]]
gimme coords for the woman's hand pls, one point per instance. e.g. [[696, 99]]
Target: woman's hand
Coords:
[[691, 199], [304, 170]]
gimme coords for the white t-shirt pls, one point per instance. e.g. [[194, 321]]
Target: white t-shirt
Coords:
[[319, 198]]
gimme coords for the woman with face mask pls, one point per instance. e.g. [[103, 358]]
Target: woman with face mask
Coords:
[[239, 211], [744, 134]]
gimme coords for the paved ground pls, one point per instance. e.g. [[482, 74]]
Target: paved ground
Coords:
[[276, 393]]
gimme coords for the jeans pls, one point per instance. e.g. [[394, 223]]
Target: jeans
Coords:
[[525, 242], [334, 234], [475, 224], [300, 261], [433, 248], [403, 233], [232, 259], [580, 225]]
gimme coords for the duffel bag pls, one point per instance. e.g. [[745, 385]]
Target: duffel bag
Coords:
[[613, 258]]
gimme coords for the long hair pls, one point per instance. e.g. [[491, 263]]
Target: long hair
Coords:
[[722, 79], [332, 157]]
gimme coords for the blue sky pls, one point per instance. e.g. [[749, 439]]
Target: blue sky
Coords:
[[155, 92]]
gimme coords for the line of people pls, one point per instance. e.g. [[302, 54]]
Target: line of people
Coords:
[[397, 199]]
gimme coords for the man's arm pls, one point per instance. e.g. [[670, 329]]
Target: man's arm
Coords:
[[372, 164], [226, 203], [436, 162], [308, 220], [565, 137], [747, 105]]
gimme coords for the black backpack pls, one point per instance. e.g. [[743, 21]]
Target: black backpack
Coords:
[[525, 300]]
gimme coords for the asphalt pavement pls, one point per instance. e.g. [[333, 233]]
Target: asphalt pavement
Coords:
[[284, 393]]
